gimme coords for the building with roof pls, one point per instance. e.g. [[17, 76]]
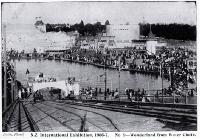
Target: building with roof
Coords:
[[106, 42], [153, 45], [123, 34], [139, 44]]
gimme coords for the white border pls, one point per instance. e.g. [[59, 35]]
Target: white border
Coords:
[[112, 134]]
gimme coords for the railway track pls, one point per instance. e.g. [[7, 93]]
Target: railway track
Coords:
[[78, 116], [62, 123], [21, 120], [81, 114], [96, 113], [176, 118]]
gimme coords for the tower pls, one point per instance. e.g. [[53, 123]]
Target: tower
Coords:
[[151, 43]]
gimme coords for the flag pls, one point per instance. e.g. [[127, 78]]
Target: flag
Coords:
[[27, 71]]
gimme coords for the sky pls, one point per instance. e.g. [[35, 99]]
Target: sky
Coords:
[[91, 12]]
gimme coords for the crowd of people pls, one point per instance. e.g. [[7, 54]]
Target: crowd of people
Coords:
[[137, 95], [170, 63], [96, 92], [130, 94], [130, 59], [23, 93]]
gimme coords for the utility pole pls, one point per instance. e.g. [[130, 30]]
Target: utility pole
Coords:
[[15, 90], [172, 83], [13, 85], [97, 81], [187, 75], [187, 84], [119, 74], [105, 94], [5, 69], [111, 88], [162, 80]]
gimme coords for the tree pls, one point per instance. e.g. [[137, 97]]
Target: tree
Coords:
[[23, 51], [98, 27], [34, 51], [39, 22], [89, 29], [48, 27], [81, 24], [170, 31], [107, 22], [81, 28]]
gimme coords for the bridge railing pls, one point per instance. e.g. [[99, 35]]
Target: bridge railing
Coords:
[[188, 96]]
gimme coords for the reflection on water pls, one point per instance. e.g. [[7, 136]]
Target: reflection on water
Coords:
[[88, 75]]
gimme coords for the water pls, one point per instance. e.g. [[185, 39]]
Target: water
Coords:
[[27, 37], [88, 75]]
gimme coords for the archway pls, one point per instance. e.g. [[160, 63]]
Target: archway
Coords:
[[66, 87]]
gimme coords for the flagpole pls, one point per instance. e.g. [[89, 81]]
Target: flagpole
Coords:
[[27, 75]]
